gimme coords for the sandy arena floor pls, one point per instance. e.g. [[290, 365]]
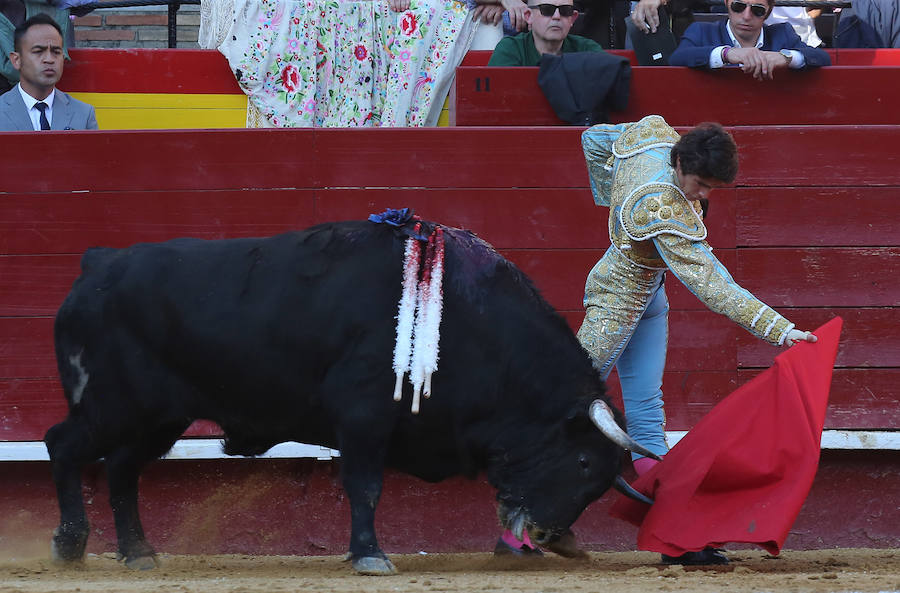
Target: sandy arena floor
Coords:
[[840, 570]]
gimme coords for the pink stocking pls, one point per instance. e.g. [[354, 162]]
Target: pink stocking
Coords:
[[643, 465]]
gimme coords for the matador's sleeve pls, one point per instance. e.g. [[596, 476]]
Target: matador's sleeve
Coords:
[[597, 143], [696, 266]]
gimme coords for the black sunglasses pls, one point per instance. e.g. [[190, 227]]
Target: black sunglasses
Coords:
[[758, 10], [549, 9]]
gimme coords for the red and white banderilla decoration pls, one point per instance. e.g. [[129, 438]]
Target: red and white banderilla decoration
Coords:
[[419, 316]]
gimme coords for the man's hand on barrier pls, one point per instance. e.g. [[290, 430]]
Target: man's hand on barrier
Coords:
[[399, 5], [760, 64]]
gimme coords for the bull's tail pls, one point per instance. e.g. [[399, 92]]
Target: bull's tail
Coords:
[[69, 325], [71, 365]]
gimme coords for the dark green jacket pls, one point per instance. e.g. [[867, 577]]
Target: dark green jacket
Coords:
[[519, 50]]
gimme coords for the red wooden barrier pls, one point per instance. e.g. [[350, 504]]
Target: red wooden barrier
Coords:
[[440, 158], [806, 200], [839, 57], [148, 71], [865, 57], [810, 226], [206, 71], [489, 96], [480, 57]]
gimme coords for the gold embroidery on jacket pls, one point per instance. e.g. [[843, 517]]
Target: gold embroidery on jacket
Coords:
[[652, 131], [652, 227], [657, 208]]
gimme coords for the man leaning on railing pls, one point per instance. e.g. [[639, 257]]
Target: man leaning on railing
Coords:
[[743, 40]]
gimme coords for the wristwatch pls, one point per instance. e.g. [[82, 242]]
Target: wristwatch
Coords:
[[788, 55]]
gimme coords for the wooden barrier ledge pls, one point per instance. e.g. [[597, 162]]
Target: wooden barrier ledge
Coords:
[[833, 95], [839, 57]]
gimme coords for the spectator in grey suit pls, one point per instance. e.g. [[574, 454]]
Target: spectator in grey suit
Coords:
[[35, 103]]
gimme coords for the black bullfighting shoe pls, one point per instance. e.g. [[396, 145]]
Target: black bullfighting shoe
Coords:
[[706, 556]]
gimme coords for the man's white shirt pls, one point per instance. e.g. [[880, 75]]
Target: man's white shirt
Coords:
[[715, 56], [33, 113]]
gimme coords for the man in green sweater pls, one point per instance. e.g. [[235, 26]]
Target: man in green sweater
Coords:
[[550, 22]]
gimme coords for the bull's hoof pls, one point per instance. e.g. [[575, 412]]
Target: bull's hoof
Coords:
[[68, 545], [567, 546], [63, 558], [142, 563], [138, 555], [372, 565]]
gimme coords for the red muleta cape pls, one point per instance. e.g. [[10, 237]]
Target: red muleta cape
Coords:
[[742, 473]]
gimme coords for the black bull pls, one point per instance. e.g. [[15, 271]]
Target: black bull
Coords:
[[290, 338]]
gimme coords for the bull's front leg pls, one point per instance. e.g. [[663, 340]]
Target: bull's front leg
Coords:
[[362, 478]]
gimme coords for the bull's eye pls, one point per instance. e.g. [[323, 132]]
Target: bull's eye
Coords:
[[584, 462]]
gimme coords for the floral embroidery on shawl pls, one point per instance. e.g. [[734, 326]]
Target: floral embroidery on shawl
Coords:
[[306, 63]]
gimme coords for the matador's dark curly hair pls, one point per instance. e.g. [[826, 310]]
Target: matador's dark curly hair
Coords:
[[707, 151]]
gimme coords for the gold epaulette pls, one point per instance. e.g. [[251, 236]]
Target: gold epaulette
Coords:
[[650, 132], [660, 208]]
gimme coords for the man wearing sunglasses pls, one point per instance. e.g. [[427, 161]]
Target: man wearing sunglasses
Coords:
[[549, 22], [743, 40]]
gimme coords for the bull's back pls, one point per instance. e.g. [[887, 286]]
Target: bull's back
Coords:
[[203, 278], [241, 312]]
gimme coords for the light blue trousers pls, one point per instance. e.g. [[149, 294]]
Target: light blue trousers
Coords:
[[640, 366]]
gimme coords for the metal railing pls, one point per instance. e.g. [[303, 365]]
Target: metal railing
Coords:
[[173, 5]]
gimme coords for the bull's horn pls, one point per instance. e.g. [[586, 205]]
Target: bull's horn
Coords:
[[518, 527], [603, 418], [628, 490]]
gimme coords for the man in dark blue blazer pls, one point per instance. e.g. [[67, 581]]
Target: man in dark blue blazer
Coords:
[[743, 40]]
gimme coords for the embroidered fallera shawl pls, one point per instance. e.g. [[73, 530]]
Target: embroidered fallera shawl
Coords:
[[331, 63]]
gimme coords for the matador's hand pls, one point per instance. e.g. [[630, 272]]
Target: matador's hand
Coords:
[[796, 335], [399, 5]]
